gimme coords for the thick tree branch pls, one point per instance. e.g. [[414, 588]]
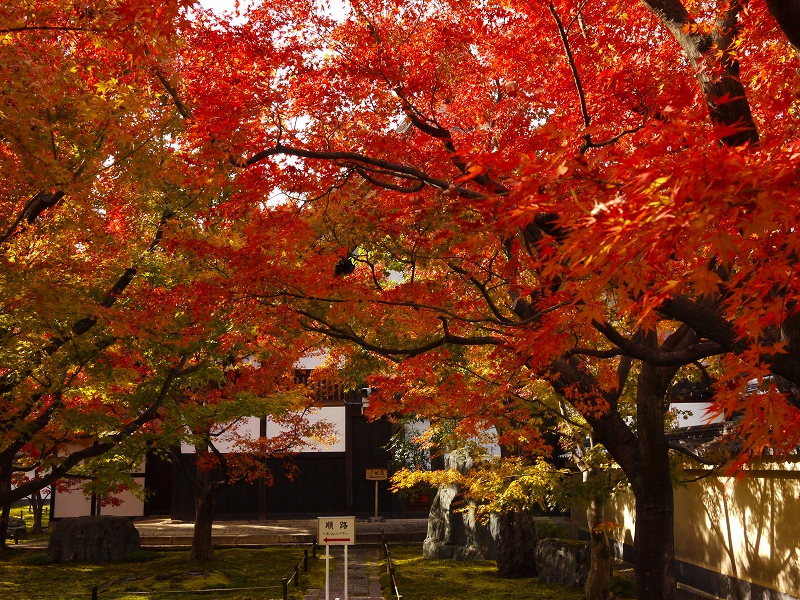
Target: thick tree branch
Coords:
[[657, 357], [725, 96], [33, 208], [390, 186], [787, 14], [353, 159], [173, 92], [678, 448], [396, 354]]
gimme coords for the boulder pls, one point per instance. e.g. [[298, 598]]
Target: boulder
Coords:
[[16, 529], [93, 539], [563, 561], [458, 534], [516, 547]]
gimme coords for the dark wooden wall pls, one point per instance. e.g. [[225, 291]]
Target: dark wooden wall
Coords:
[[327, 483]]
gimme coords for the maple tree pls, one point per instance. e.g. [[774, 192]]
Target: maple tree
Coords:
[[208, 416], [112, 341], [583, 196], [87, 191]]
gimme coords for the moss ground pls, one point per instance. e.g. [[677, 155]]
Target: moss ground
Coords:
[[418, 578], [171, 571]]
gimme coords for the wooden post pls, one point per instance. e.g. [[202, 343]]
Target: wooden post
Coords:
[[315, 548], [94, 592], [296, 575], [285, 589], [305, 560]]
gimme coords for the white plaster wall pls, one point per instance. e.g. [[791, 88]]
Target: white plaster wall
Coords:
[[72, 503], [311, 361], [131, 505], [251, 428], [335, 415], [248, 428], [699, 414]]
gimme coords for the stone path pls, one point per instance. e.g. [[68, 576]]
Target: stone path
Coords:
[[362, 576]]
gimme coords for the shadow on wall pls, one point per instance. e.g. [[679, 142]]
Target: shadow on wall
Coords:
[[747, 529], [734, 539]]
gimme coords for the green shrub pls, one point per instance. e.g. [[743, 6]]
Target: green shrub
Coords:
[[37, 558], [548, 529], [622, 587]]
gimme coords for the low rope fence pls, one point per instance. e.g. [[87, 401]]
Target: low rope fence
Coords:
[[387, 554], [96, 591]]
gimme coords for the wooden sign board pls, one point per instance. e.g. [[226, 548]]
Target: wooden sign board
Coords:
[[377, 474], [336, 531]]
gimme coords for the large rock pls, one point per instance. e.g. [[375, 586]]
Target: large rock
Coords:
[[563, 561], [458, 534], [16, 529], [516, 545], [93, 539]]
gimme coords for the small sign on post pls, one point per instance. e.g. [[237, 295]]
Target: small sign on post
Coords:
[[338, 531], [377, 475]]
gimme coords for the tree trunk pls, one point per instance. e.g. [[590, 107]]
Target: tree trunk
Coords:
[[37, 505], [5, 487], [654, 543], [597, 581], [516, 545], [202, 548], [4, 516]]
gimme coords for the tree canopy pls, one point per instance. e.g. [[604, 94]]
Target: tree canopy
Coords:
[[499, 211]]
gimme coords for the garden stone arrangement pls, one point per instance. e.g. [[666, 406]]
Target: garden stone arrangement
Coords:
[[458, 535], [93, 539], [563, 561]]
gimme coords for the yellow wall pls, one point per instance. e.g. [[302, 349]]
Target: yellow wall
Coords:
[[748, 529]]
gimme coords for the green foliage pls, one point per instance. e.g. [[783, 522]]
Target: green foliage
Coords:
[[448, 579], [405, 450], [36, 558], [497, 485], [622, 587], [547, 529]]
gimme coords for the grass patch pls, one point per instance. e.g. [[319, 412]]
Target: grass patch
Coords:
[[164, 571], [448, 579]]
